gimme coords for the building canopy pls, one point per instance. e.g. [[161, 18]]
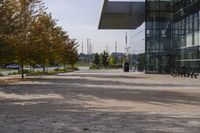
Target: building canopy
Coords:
[[122, 15]]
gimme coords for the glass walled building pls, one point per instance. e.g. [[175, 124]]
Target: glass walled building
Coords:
[[157, 35], [172, 30], [172, 34], [186, 32]]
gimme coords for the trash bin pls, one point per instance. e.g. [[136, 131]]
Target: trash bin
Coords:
[[126, 67]]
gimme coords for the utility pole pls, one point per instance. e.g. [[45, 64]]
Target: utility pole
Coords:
[[107, 48], [90, 52], [92, 48], [88, 49], [88, 45], [126, 40], [116, 47], [82, 47], [126, 49]]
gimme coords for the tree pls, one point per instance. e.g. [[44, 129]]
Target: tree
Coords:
[[26, 10], [96, 60], [42, 34], [60, 40], [29, 35], [8, 26], [104, 59], [72, 53], [113, 61], [69, 53]]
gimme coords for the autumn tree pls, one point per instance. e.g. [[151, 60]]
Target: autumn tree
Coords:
[[29, 35], [42, 39], [60, 40], [71, 53], [26, 10], [8, 26]]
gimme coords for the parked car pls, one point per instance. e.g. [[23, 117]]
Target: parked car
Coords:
[[28, 67], [38, 66], [13, 66]]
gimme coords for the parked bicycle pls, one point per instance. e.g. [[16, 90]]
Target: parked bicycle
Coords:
[[186, 72]]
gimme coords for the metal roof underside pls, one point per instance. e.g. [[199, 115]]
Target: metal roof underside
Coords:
[[122, 15]]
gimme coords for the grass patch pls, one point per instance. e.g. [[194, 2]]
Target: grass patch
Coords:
[[56, 71], [13, 73], [1, 74], [60, 70], [4, 69], [68, 69], [100, 67], [82, 64], [36, 73]]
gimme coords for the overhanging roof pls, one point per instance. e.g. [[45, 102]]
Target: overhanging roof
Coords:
[[122, 15]]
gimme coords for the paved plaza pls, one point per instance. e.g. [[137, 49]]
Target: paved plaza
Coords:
[[90, 101]]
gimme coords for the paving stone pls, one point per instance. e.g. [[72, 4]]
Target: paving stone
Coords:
[[92, 102]]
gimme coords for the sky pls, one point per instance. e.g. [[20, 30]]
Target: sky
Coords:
[[80, 18]]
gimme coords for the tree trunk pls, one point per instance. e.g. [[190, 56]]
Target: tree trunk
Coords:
[[22, 65], [58, 67], [65, 66], [44, 68], [72, 67]]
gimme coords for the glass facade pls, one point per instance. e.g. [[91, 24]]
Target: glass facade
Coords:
[[172, 33]]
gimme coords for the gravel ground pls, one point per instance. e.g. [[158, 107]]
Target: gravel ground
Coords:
[[100, 102]]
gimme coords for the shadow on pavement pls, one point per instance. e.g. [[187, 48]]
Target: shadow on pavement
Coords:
[[68, 114], [110, 90]]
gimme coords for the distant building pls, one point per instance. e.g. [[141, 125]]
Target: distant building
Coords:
[[86, 57], [81, 56], [118, 55]]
